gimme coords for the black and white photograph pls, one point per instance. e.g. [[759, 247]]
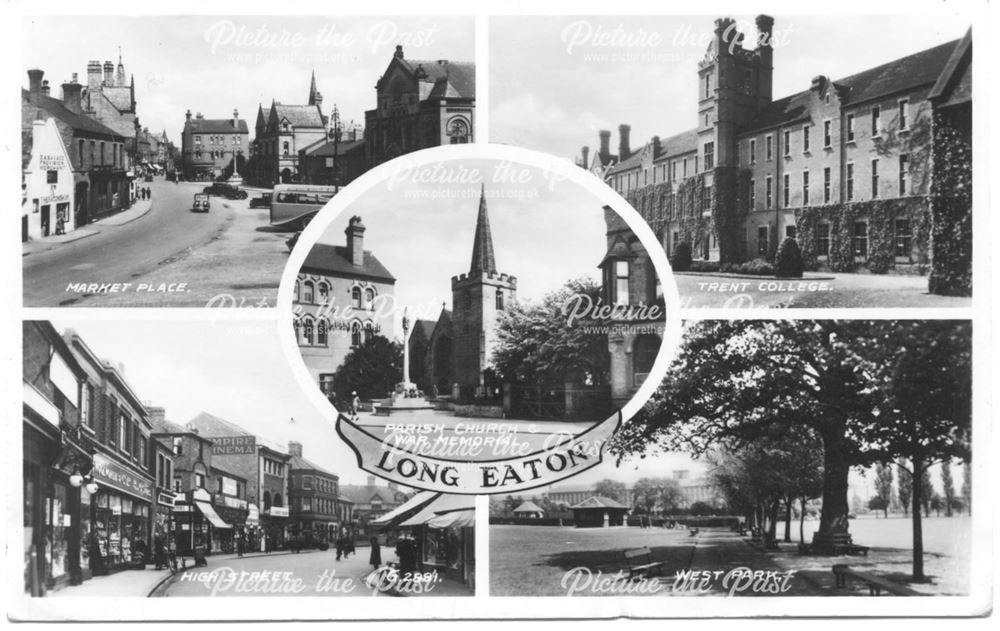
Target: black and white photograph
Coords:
[[515, 311], [682, 307], [166, 160], [819, 458], [213, 483], [783, 161]]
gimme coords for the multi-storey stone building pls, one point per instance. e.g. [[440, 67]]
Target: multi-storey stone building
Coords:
[[334, 303], [282, 132], [420, 104], [212, 146], [844, 167]]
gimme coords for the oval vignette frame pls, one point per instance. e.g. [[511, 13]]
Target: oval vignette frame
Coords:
[[559, 167]]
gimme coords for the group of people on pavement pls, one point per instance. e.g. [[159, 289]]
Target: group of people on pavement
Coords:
[[144, 193]]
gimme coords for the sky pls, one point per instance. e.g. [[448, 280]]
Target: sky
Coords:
[[213, 64], [602, 71], [235, 370], [542, 235]]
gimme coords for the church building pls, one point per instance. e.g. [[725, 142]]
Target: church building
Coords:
[[457, 351]]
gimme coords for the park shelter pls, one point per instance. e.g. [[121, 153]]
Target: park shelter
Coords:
[[598, 512], [529, 510]]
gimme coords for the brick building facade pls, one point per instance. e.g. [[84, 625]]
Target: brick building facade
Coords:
[[211, 147]]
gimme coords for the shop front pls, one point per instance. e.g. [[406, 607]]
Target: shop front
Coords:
[[121, 516], [252, 529], [54, 496], [232, 511], [274, 523], [163, 519]]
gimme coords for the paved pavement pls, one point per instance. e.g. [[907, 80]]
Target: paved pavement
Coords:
[[164, 256], [814, 290]]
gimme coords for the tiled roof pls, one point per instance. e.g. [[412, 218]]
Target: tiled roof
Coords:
[[450, 78], [57, 109], [327, 148], [598, 502], [216, 126], [329, 259], [362, 493], [529, 507], [684, 142], [297, 462], [298, 115], [426, 327], [908, 72]]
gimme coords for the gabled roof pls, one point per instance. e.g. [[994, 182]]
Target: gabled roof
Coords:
[[598, 502], [326, 147], [529, 507], [456, 79], [297, 462], [426, 328], [57, 109], [333, 260], [955, 81], [302, 116], [922, 68], [216, 126], [362, 493], [684, 142]]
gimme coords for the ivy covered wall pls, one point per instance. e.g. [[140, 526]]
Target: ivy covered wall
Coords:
[[880, 214], [951, 208]]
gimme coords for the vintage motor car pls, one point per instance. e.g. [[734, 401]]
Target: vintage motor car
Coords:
[[202, 203]]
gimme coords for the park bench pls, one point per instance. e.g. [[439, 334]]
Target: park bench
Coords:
[[876, 585], [640, 561]]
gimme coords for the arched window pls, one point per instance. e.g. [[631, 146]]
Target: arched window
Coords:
[[369, 331], [356, 297], [298, 292], [355, 333], [322, 326], [369, 297], [644, 351], [308, 294], [277, 499], [297, 327], [499, 300], [284, 148], [458, 131], [267, 501], [324, 291], [307, 330]]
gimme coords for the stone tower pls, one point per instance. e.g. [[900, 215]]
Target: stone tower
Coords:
[[477, 298], [734, 85]]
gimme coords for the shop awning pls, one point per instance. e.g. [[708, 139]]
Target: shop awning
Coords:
[[441, 506], [454, 519], [405, 509], [211, 515], [253, 515]]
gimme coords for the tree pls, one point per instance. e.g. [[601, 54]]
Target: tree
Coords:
[[905, 488], [883, 487], [948, 486], [967, 486], [372, 369], [737, 380], [653, 496], [925, 369], [612, 490], [538, 345]]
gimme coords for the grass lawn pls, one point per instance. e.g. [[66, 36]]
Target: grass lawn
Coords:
[[532, 560]]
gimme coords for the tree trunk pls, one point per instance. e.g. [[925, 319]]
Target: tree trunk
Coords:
[[788, 520], [802, 520], [833, 516], [773, 526], [918, 533]]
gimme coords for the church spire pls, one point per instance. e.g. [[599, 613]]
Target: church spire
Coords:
[[483, 261]]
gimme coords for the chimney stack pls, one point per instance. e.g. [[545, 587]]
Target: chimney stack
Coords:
[[45, 87], [109, 74], [295, 449], [371, 480], [71, 96], [157, 416], [187, 115], [765, 51], [585, 155], [399, 52], [236, 118], [624, 149], [656, 146], [605, 137], [35, 80], [93, 74], [355, 241]]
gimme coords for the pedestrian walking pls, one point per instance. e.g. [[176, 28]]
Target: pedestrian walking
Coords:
[[355, 405], [375, 557], [159, 552]]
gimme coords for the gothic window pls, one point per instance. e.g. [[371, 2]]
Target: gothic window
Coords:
[[356, 333], [369, 331], [370, 298], [322, 326], [356, 297], [308, 294], [499, 300], [308, 330], [284, 148], [324, 291]]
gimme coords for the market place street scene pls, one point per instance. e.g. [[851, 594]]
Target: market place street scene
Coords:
[[821, 458], [777, 165], [132, 488], [142, 185]]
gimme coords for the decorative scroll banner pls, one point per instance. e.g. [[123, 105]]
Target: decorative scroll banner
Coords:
[[563, 459]]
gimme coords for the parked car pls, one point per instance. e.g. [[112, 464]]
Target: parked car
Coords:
[[202, 203], [262, 201], [221, 189]]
